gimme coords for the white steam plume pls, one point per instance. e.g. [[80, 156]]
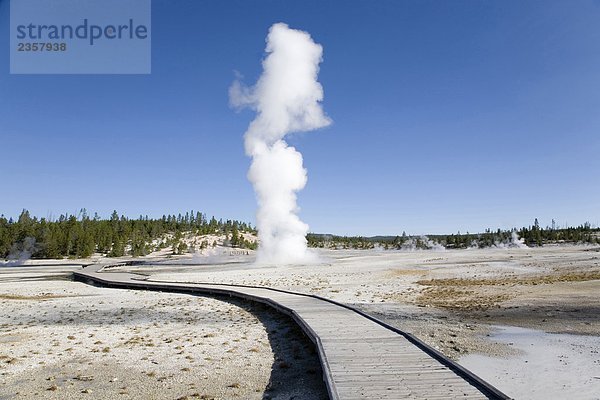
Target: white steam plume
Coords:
[[514, 242], [286, 99]]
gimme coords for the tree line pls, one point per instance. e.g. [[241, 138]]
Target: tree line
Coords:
[[531, 236], [80, 236]]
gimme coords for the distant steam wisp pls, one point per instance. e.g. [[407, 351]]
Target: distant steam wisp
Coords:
[[287, 99], [20, 252]]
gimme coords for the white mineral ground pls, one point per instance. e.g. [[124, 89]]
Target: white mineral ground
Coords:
[[67, 340], [466, 303]]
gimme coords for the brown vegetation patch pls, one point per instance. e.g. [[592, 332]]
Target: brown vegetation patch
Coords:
[[405, 272], [43, 296], [139, 341], [504, 281], [464, 294], [459, 299]]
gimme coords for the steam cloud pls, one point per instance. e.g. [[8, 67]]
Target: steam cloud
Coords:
[[20, 252], [421, 243], [514, 242], [286, 99]]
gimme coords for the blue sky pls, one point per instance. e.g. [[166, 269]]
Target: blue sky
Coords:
[[448, 116]]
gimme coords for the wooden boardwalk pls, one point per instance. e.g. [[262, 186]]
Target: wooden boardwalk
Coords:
[[361, 357]]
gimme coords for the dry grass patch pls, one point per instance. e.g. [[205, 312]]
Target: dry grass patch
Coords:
[[138, 341], [478, 294], [459, 299], [406, 272], [43, 296], [508, 281]]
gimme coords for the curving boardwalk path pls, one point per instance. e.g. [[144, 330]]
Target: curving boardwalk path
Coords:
[[361, 357]]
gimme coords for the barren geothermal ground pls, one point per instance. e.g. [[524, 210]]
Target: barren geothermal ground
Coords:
[[526, 320], [465, 303], [67, 340]]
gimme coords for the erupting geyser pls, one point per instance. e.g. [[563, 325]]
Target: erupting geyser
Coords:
[[287, 99]]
